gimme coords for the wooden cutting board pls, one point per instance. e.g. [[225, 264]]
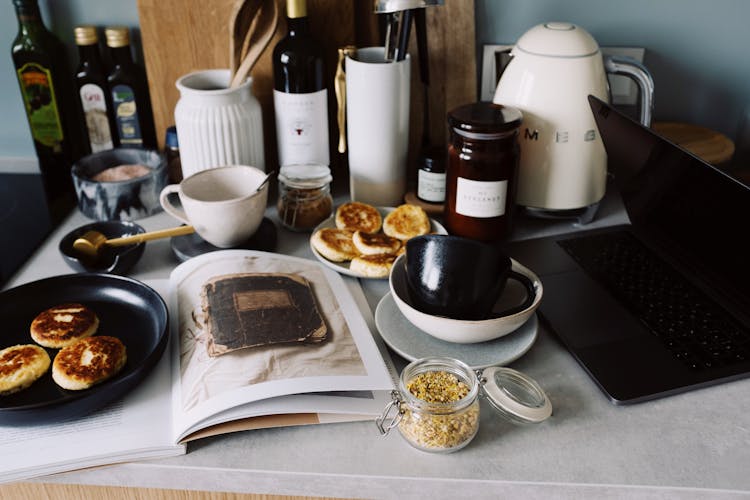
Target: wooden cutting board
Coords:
[[180, 36], [709, 145]]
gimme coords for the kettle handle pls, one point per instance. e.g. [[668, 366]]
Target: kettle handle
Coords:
[[627, 66]]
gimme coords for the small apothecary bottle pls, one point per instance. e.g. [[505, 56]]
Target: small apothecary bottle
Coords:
[[431, 175], [436, 406], [304, 196], [482, 171]]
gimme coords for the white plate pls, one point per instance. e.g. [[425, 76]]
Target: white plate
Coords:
[[412, 343], [343, 267]]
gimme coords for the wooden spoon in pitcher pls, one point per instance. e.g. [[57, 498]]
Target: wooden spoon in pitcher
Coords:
[[256, 39]]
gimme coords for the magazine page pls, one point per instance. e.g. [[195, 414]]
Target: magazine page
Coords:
[[132, 428], [248, 333]]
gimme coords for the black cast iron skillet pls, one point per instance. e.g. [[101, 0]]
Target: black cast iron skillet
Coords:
[[127, 309]]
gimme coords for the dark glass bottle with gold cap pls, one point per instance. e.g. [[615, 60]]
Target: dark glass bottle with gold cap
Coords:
[[134, 122], [300, 95], [46, 89], [93, 95]]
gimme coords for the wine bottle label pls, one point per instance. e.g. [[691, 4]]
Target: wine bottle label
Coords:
[[95, 112], [481, 199], [431, 186], [302, 127], [126, 116], [39, 98]]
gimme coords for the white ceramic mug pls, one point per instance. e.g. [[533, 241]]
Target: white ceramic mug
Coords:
[[377, 126], [217, 125], [223, 204]]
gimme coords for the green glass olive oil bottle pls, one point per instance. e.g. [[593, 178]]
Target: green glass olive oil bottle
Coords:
[[45, 83]]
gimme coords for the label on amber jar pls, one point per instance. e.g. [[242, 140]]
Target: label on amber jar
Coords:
[[481, 199], [431, 186]]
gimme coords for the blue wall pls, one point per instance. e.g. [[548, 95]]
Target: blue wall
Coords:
[[697, 51]]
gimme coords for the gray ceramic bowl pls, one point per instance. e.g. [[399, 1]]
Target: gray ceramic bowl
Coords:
[[114, 260], [129, 199]]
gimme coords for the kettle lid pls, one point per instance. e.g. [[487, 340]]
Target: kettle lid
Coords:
[[557, 39]]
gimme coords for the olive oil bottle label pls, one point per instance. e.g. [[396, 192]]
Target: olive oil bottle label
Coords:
[[95, 112], [126, 116], [481, 199], [302, 127], [41, 108]]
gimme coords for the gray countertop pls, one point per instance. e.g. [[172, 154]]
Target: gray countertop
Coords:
[[693, 445]]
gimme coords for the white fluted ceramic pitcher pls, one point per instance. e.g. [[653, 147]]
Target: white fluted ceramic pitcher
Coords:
[[217, 125]]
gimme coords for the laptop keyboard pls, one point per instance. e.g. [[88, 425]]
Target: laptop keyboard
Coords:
[[693, 327]]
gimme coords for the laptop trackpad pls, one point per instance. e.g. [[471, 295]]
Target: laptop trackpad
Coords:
[[583, 313]]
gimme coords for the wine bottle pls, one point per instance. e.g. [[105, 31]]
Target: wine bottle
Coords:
[[134, 122], [300, 96], [94, 99], [46, 88]]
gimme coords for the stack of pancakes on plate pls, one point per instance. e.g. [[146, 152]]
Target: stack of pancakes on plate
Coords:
[[367, 240]]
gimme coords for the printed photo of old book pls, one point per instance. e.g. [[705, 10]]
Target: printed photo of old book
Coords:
[[255, 323], [251, 310]]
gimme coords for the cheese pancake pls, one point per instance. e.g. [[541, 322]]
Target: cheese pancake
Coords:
[[375, 243], [21, 366], [373, 266], [334, 244], [406, 222], [63, 325], [88, 362], [357, 216]]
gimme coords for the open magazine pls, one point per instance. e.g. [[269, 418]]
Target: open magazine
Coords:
[[210, 386]]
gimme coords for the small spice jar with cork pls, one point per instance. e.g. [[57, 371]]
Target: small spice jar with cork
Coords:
[[436, 406], [304, 196]]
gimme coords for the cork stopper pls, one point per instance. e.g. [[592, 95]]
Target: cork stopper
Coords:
[[85, 35], [117, 36]]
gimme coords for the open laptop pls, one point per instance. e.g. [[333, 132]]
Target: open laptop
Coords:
[[646, 326]]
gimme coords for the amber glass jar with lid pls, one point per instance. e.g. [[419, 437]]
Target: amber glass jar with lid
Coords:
[[482, 171], [436, 406], [304, 196]]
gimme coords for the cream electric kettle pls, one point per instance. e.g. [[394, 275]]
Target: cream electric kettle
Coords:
[[563, 165]]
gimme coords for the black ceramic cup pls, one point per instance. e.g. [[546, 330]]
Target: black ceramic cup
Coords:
[[460, 278]]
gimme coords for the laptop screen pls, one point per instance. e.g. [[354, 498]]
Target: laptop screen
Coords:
[[679, 200]]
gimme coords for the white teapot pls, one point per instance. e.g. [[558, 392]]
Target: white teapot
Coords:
[[563, 166]]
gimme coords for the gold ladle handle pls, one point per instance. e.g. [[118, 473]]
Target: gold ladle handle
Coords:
[[151, 235], [340, 88]]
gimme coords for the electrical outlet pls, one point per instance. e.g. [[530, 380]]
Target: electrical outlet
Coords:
[[624, 91]]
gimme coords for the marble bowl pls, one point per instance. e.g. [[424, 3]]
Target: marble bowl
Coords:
[[462, 331], [113, 260], [128, 199]]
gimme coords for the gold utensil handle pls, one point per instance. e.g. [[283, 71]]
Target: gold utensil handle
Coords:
[[340, 88], [151, 235]]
